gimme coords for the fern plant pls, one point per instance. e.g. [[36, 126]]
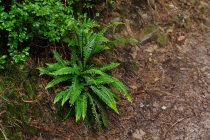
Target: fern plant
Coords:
[[89, 90]]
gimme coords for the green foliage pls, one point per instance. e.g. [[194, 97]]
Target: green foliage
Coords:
[[2, 61], [90, 88], [27, 20]]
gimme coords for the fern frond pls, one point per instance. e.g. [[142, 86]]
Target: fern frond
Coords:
[[121, 87], [93, 72], [106, 79], [58, 80], [88, 48], [75, 94], [102, 79], [54, 66], [94, 111], [78, 110], [76, 90], [74, 57], [102, 111], [81, 107], [109, 66], [66, 70], [105, 95], [98, 48], [44, 70], [61, 95], [67, 95], [58, 58]]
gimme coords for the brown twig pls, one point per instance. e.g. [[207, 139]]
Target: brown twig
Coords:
[[2, 131], [180, 120]]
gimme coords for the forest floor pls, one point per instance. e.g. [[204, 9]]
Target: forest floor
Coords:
[[169, 79]]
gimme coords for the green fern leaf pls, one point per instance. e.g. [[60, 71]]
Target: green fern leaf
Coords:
[[66, 70], [102, 112], [93, 72], [105, 95], [78, 110], [75, 94], [49, 69], [61, 95], [88, 48], [58, 58], [105, 79], [109, 66], [67, 95], [120, 86], [81, 107], [98, 48], [57, 80], [44, 70], [76, 90], [54, 66], [94, 112], [84, 105]]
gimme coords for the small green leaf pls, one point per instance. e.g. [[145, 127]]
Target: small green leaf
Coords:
[[62, 95], [109, 66], [93, 72], [57, 80], [58, 58], [66, 70], [106, 95]]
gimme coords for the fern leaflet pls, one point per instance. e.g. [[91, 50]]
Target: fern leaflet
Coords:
[[81, 107], [120, 86], [93, 71], [87, 50], [57, 80], [61, 95], [66, 70], [94, 111], [102, 111], [106, 95], [109, 66], [58, 58]]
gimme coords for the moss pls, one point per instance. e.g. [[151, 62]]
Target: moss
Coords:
[[187, 26], [15, 88], [134, 65], [149, 29], [162, 40], [149, 33]]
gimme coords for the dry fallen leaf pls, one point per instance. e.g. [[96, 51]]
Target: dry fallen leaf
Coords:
[[181, 38]]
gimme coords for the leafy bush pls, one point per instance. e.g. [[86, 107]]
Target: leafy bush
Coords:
[[90, 89], [28, 20]]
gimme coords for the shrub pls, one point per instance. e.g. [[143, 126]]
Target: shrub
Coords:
[[90, 89], [27, 20]]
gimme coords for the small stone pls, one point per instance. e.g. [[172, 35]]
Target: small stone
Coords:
[[148, 34], [139, 133], [142, 104], [163, 107], [133, 87]]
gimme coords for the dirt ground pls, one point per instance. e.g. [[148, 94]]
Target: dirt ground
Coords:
[[170, 84]]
